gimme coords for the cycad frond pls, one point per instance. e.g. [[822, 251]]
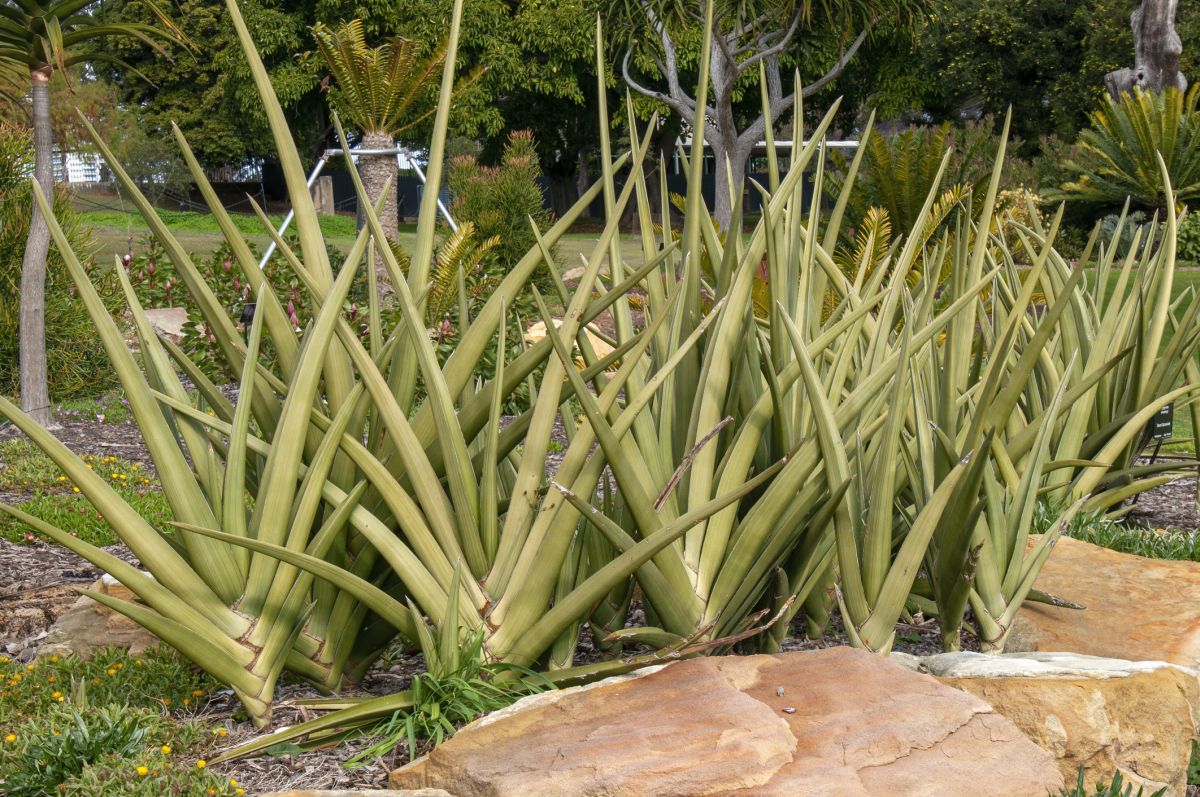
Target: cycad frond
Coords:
[[1123, 145], [462, 252], [384, 89]]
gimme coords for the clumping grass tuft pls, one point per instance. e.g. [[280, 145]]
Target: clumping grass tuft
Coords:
[[1096, 528], [105, 726]]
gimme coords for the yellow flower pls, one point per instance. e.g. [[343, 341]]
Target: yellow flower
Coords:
[[112, 671], [166, 701], [233, 782], [201, 764], [197, 692], [221, 732], [12, 737], [166, 749], [57, 696], [75, 489], [240, 792], [143, 771], [62, 478]]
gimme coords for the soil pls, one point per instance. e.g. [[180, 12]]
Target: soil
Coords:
[[39, 582]]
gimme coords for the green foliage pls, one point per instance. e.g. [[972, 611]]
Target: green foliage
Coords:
[[899, 170], [500, 200], [25, 469], [388, 89], [1114, 788], [157, 679], [1188, 239], [1121, 231], [342, 227], [76, 364], [457, 687], [1124, 142], [99, 726]]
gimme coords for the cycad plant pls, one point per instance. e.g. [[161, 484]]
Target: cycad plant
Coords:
[[384, 92], [1123, 144]]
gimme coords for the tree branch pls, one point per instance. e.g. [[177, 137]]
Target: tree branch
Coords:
[[774, 49], [838, 67]]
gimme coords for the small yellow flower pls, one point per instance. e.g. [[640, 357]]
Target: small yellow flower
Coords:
[[240, 792], [57, 696], [112, 671], [166, 701], [30, 667], [12, 737], [186, 700], [166, 749], [222, 732], [201, 764], [74, 489], [143, 771], [233, 782], [197, 692], [62, 478]]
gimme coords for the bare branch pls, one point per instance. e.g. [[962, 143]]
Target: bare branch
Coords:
[[676, 104], [774, 49]]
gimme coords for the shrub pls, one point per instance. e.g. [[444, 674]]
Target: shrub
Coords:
[[75, 361], [1188, 239], [499, 200]]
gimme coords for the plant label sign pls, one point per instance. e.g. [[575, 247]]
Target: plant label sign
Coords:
[[1163, 424]]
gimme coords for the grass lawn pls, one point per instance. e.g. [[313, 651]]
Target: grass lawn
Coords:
[[198, 232]]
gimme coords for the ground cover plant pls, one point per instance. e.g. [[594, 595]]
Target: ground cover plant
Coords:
[[54, 499], [115, 725], [771, 435]]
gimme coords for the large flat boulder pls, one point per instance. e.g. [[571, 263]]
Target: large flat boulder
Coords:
[[834, 723], [1135, 608], [1105, 715]]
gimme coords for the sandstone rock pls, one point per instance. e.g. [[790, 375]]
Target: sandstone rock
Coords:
[[1105, 715], [1136, 609], [538, 331], [168, 320], [89, 626], [834, 723], [367, 793]]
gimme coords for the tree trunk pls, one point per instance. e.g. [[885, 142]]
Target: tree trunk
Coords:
[[1157, 48], [736, 156], [35, 391], [376, 171]]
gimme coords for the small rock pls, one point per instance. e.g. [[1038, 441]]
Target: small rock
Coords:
[[168, 320], [89, 626]]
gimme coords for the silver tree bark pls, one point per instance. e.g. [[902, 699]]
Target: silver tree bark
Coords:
[[35, 391], [1157, 48], [736, 49]]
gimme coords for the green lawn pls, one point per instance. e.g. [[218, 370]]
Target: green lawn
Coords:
[[199, 234]]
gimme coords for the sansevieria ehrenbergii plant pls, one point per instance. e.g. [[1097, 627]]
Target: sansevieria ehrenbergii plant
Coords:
[[771, 435]]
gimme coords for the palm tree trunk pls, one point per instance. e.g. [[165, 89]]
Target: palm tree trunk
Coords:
[[376, 171], [35, 392]]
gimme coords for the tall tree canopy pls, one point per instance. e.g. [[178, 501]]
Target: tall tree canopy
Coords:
[[530, 48]]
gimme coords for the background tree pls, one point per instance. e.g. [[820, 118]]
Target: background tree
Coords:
[[663, 38], [40, 37]]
